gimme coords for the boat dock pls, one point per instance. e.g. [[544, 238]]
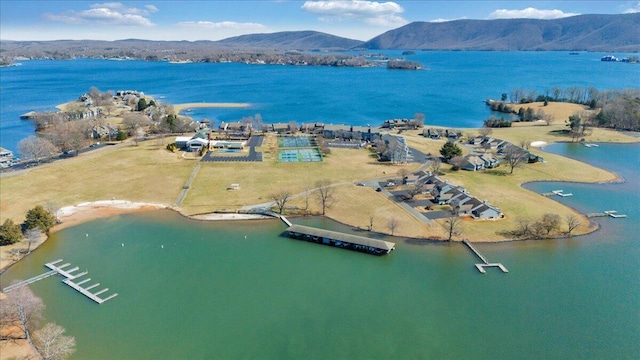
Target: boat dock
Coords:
[[481, 267], [557, 192], [341, 240], [68, 274], [611, 213]]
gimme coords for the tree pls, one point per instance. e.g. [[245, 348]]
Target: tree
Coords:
[[281, 198], [39, 217], [134, 121], [549, 222], [452, 225], [435, 165], [415, 189], [69, 135], [403, 173], [392, 224], [22, 310], [32, 236], [370, 227], [457, 163], [418, 120], [485, 132], [514, 157], [142, 104], [572, 223], [52, 344], [10, 233], [325, 194], [36, 148], [450, 150]]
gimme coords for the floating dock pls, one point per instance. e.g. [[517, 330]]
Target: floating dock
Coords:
[[611, 213], [481, 267], [68, 274]]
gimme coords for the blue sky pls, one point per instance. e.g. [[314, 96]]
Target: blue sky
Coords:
[[215, 20]]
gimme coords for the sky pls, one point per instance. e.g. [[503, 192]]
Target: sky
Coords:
[[216, 20]]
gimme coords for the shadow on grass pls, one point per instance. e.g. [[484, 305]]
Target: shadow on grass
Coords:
[[497, 172]]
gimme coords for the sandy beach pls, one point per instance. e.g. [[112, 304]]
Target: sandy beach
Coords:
[[180, 107]]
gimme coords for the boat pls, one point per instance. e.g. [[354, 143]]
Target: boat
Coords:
[[609, 58]]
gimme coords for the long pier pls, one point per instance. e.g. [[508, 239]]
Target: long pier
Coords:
[[69, 277], [68, 274], [481, 267]]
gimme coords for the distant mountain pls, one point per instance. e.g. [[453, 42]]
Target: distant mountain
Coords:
[[619, 33], [301, 40]]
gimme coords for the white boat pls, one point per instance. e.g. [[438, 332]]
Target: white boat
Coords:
[[6, 158]]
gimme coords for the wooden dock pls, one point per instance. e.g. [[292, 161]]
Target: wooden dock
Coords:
[[29, 281], [285, 220], [481, 267]]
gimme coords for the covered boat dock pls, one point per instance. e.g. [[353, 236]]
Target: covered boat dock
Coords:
[[341, 240]]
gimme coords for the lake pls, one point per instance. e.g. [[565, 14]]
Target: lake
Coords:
[[230, 290], [191, 289], [450, 92]]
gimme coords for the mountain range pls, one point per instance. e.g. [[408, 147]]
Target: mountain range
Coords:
[[604, 33]]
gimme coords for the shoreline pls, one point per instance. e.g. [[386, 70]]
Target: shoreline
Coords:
[[180, 107]]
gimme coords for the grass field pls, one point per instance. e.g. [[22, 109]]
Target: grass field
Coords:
[[149, 173]]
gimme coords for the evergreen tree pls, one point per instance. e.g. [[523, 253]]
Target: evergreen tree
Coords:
[[39, 217], [142, 104], [10, 233], [450, 150]]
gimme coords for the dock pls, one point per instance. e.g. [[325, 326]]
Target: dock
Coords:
[[70, 277], [611, 213], [481, 267], [285, 220], [341, 240], [69, 274], [558, 193]]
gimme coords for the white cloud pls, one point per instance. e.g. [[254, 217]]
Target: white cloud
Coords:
[[221, 25], [633, 9], [107, 14], [529, 13], [370, 12]]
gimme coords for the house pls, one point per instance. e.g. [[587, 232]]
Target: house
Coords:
[[102, 131], [431, 133], [489, 161], [452, 135], [349, 132], [192, 143], [472, 163], [397, 150], [486, 211]]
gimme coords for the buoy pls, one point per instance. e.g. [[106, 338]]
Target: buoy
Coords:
[[86, 235], [245, 236], [122, 244], [162, 246]]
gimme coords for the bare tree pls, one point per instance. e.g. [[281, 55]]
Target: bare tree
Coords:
[[514, 157], [370, 228], [52, 344], [36, 148], [32, 236], [435, 165], [23, 310], [281, 198], [485, 132], [134, 121], [415, 189], [403, 173], [325, 194], [549, 222], [524, 227], [392, 224], [457, 162], [418, 120], [572, 223], [69, 135], [452, 225], [525, 143]]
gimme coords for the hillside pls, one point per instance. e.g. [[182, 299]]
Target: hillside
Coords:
[[301, 40], [619, 33]]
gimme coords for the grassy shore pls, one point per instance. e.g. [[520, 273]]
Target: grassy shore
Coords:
[[149, 173]]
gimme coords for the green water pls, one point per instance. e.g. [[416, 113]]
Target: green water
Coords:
[[240, 290]]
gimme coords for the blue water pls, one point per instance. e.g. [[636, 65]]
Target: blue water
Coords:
[[192, 289], [449, 92]]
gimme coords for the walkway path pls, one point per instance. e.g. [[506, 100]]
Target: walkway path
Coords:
[[186, 187]]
